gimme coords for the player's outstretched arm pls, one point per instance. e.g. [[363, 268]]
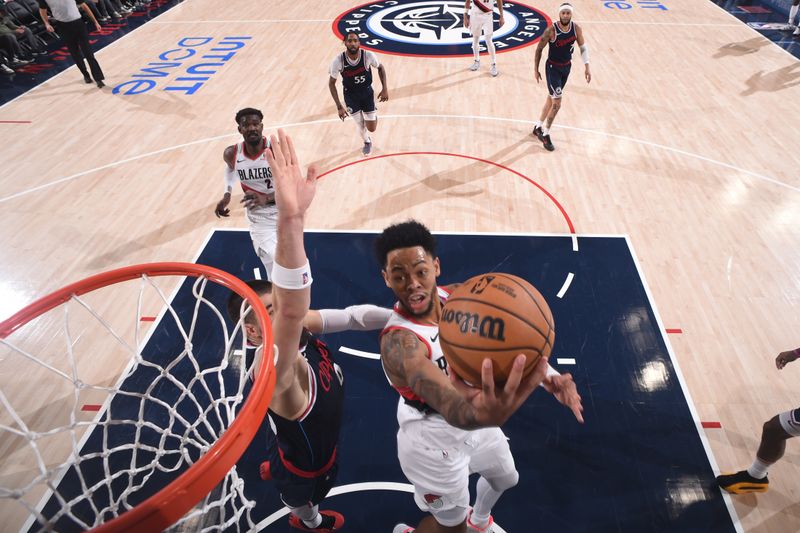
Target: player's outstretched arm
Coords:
[[291, 275], [365, 317]]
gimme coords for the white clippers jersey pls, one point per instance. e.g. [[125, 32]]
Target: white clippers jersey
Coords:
[[427, 333], [255, 175]]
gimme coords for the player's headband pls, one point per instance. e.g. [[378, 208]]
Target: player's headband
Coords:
[[565, 7]]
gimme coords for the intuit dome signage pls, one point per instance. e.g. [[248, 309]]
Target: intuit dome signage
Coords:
[[185, 67], [435, 28]]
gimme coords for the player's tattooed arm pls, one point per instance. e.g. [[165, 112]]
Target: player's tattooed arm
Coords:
[[405, 360]]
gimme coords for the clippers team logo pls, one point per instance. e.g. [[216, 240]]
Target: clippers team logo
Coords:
[[435, 28]]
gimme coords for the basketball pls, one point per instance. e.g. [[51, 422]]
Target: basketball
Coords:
[[495, 316]]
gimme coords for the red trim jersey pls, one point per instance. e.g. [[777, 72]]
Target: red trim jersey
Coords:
[[429, 335], [255, 175]]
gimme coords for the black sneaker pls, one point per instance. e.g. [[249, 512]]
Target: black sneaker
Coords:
[[548, 144], [87, 78], [537, 132], [742, 483]]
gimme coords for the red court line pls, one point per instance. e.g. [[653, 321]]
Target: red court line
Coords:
[[711, 425], [15, 122], [450, 154], [148, 319], [674, 330], [91, 407]]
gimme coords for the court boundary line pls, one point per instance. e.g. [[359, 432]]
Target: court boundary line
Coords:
[[317, 21], [678, 151], [737, 525]]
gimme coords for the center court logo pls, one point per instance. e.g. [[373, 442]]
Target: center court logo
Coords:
[[435, 28]]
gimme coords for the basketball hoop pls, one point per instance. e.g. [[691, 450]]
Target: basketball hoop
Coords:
[[209, 440]]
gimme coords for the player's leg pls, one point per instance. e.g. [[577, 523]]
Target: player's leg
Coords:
[[488, 32], [353, 104], [774, 434], [793, 11], [369, 114], [537, 126], [439, 471], [491, 459], [264, 243], [475, 30]]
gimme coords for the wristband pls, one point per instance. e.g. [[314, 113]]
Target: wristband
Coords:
[[292, 278]]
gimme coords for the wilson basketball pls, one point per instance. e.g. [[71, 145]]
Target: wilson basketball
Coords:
[[495, 316]]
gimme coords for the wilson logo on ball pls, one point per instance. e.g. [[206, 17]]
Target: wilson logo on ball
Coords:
[[488, 327]]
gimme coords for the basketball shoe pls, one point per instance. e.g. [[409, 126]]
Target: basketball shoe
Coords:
[[403, 528], [548, 144], [493, 70], [367, 148], [331, 521], [537, 132], [472, 528], [742, 483], [475, 66]]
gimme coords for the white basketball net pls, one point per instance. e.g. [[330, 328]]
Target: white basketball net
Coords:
[[80, 445]]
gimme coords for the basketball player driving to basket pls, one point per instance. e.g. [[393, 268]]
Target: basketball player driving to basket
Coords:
[[448, 429]]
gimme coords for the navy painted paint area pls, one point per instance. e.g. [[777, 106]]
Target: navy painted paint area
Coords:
[[636, 465]]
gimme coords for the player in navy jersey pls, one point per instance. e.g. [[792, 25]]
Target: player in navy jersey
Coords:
[[561, 37], [306, 407], [354, 65]]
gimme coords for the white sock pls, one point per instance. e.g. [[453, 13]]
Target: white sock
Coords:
[[490, 46], [308, 514], [759, 469], [476, 47], [537, 124], [793, 13], [545, 130]]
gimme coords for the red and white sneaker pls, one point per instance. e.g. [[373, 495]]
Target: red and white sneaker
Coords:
[[331, 521], [472, 528]]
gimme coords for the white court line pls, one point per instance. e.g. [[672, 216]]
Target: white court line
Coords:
[[565, 286], [348, 489], [689, 401], [565, 361], [469, 117], [359, 353]]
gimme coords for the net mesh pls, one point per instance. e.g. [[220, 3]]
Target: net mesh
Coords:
[[102, 408]]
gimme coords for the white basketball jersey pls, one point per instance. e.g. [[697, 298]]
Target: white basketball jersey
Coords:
[[255, 175], [485, 5], [427, 333]]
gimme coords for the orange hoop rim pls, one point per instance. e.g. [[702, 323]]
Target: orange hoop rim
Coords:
[[168, 505]]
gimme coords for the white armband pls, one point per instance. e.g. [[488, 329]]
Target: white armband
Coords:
[[230, 179], [356, 317], [585, 54], [292, 278]]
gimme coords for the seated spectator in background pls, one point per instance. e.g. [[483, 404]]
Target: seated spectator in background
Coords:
[[5, 61], [12, 34]]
